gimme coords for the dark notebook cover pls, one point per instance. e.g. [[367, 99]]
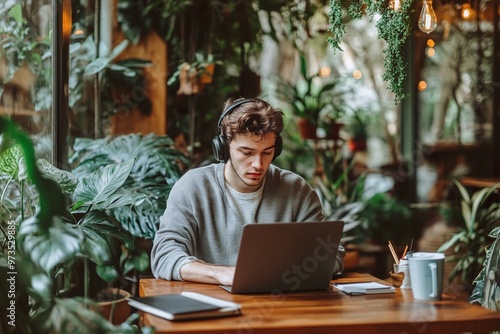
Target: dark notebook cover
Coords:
[[180, 307]]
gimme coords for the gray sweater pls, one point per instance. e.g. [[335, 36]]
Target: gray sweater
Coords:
[[199, 223]]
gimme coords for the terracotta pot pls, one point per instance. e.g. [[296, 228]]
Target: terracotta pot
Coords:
[[208, 74], [122, 309], [334, 130], [306, 129], [356, 145]]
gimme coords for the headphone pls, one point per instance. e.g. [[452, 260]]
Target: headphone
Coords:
[[220, 146]]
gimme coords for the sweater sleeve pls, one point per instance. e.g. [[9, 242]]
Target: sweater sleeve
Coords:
[[198, 224], [175, 238]]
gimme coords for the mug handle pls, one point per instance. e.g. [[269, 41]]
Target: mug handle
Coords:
[[434, 279]]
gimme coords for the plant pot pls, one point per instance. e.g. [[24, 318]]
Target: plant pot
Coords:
[[208, 74], [307, 130], [334, 130], [351, 260], [357, 145], [105, 301]]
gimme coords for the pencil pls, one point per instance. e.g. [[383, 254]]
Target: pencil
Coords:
[[396, 260], [404, 252]]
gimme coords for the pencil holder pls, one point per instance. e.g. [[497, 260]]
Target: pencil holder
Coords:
[[402, 268]]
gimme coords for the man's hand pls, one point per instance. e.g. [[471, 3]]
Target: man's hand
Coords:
[[207, 273]]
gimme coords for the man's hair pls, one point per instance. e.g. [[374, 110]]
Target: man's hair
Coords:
[[254, 117]]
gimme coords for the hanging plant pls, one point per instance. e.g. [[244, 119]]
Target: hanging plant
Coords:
[[393, 26]]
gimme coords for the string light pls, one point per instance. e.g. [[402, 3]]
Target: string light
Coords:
[[357, 74], [422, 85], [325, 71], [427, 21], [467, 12]]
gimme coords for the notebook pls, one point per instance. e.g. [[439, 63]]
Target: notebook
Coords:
[[286, 257], [185, 306], [364, 288]]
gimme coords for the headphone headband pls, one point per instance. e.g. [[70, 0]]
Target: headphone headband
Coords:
[[231, 107]]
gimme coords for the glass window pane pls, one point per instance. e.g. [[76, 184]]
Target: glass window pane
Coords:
[[25, 70]]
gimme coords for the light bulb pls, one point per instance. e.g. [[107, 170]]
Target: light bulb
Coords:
[[395, 5], [427, 21]]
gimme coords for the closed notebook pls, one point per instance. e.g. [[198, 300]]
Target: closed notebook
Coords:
[[364, 288], [185, 306]]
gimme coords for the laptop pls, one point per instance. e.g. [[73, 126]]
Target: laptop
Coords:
[[286, 257]]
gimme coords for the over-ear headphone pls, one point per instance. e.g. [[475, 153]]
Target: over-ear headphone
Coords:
[[220, 146]]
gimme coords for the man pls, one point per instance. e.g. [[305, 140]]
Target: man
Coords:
[[199, 234]]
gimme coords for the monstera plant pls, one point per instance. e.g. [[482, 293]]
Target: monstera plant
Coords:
[[158, 165], [49, 250]]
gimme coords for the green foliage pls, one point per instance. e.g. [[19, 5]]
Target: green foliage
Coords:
[[385, 218], [124, 74], [19, 46], [158, 165], [52, 241], [394, 27], [138, 18], [199, 67], [10, 161], [310, 98], [358, 123], [343, 199], [479, 217], [487, 282], [294, 17]]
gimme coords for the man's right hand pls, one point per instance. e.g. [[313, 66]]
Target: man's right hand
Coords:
[[202, 272]]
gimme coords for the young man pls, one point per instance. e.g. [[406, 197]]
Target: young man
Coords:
[[199, 234]]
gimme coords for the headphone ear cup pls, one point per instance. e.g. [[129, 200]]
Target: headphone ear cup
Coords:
[[278, 146], [220, 149]]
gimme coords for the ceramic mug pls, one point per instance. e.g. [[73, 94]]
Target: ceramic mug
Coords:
[[426, 273]]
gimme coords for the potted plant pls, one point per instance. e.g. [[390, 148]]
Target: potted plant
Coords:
[[55, 240], [385, 218], [357, 127], [314, 104], [477, 218], [192, 77], [115, 77]]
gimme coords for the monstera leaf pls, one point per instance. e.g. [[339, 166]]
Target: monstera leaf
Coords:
[[49, 246], [98, 191], [66, 315], [97, 229], [156, 169]]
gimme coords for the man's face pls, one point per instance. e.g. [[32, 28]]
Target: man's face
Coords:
[[250, 157]]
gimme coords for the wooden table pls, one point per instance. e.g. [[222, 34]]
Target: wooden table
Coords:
[[326, 312]]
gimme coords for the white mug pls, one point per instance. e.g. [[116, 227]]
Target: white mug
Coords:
[[426, 273]]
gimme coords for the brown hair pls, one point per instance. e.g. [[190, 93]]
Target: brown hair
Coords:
[[253, 117]]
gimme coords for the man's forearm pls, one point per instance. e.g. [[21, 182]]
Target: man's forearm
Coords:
[[207, 273]]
